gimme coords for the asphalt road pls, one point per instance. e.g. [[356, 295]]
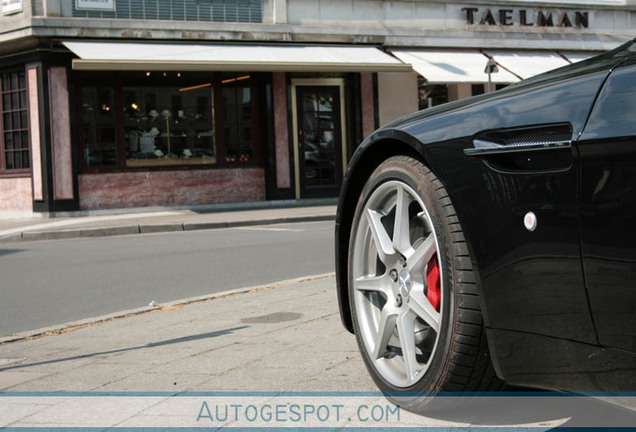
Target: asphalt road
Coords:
[[53, 282]]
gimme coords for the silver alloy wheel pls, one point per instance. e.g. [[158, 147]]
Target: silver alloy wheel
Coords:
[[394, 247]]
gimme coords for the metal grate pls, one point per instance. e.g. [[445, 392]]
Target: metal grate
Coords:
[[543, 135], [182, 10]]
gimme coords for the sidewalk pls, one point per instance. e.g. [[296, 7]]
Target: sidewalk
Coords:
[[271, 351], [282, 342], [266, 339], [242, 340], [136, 222]]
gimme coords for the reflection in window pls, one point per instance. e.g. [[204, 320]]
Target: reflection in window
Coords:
[[430, 95], [317, 138], [237, 122], [98, 121], [168, 119]]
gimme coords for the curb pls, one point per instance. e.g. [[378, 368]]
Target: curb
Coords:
[[152, 229], [76, 325]]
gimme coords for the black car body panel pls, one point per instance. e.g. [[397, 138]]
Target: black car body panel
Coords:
[[608, 209], [533, 284]]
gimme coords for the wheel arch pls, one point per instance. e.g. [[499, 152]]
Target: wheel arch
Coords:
[[371, 153]]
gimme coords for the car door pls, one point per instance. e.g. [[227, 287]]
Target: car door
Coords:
[[607, 150]]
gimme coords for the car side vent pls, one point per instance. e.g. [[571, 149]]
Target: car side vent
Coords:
[[537, 136], [532, 148]]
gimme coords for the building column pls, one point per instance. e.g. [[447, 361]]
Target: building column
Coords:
[[281, 130], [54, 173], [61, 154], [35, 128], [367, 101]]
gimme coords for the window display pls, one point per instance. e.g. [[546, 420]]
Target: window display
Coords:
[[168, 125], [148, 119]]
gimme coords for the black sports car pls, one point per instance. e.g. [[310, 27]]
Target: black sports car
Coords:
[[494, 238]]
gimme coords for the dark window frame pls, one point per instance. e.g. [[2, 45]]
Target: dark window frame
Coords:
[[257, 84], [437, 92], [477, 89], [24, 148]]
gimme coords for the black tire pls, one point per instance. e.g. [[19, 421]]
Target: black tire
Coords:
[[454, 358]]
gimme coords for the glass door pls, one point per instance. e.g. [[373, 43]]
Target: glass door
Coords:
[[319, 140]]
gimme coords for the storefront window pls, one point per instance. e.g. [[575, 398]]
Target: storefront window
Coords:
[[14, 129], [157, 119], [237, 117], [431, 94], [477, 89], [168, 119], [98, 120]]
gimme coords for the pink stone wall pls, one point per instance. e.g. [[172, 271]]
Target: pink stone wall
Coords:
[[281, 130], [34, 121], [61, 135], [368, 106], [165, 188], [17, 195]]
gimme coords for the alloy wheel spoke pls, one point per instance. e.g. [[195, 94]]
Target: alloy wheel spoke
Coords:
[[380, 284], [380, 236], [401, 227], [385, 331], [424, 309], [420, 257], [406, 331]]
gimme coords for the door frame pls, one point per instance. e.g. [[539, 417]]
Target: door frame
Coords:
[[316, 82]]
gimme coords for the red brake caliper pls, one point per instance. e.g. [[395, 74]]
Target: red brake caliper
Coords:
[[433, 291]]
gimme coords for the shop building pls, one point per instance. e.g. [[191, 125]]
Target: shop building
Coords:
[[133, 103]]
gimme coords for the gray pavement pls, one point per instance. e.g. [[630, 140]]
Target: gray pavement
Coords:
[[280, 337], [143, 221], [239, 340], [264, 352]]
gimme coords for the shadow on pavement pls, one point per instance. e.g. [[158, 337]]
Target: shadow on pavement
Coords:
[[121, 350], [4, 252]]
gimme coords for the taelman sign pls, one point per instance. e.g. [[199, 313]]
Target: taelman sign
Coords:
[[526, 18]]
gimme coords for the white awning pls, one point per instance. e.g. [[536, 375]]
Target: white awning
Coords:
[[231, 57], [578, 56], [452, 66], [528, 64]]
